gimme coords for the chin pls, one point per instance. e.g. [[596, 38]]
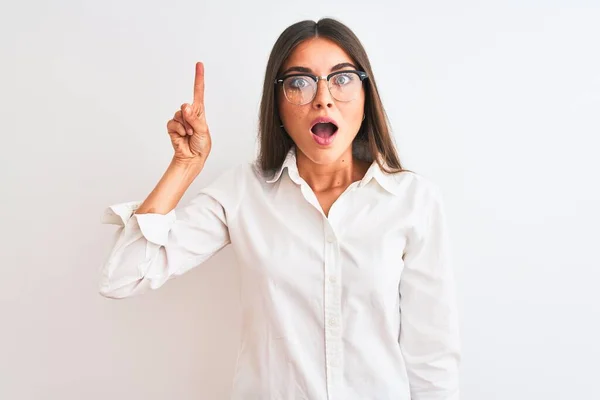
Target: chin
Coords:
[[323, 155]]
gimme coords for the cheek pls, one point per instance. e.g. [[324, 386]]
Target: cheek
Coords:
[[291, 115], [286, 113], [361, 100], [353, 111], [360, 108]]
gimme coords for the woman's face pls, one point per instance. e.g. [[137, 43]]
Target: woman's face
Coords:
[[321, 143]]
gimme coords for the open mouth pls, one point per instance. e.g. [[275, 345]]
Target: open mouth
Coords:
[[324, 132]]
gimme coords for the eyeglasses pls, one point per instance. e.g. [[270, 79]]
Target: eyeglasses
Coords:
[[301, 89]]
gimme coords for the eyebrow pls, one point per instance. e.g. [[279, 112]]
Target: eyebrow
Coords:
[[297, 68]]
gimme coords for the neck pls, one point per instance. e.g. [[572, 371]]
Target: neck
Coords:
[[338, 174]]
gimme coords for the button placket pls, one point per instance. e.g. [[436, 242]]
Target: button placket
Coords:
[[333, 312]]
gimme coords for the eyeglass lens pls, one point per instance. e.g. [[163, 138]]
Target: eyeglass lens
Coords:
[[302, 89]]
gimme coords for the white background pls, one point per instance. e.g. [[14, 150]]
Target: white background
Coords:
[[498, 102]]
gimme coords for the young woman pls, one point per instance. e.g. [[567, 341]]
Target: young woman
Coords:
[[346, 281]]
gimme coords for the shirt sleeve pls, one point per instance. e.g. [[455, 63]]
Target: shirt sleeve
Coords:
[[429, 334], [149, 249]]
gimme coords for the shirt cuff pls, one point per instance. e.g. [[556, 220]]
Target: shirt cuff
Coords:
[[119, 214], [154, 227]]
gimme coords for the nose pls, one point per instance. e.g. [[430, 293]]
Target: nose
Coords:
[[323, 97]]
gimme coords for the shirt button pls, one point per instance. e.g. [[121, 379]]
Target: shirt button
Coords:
[[332, 279], [330, 238], [332, 321]]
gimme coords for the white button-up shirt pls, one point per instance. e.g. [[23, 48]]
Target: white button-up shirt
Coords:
[[359, 304]]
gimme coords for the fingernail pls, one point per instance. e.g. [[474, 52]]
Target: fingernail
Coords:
[[190, 132], [188, 110]]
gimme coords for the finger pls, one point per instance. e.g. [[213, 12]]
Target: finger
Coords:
[[195, 117], [199, 84], [187, 126], [176, 127], [179, 118]]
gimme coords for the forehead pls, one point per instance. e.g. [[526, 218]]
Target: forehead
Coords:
[[318, 54]]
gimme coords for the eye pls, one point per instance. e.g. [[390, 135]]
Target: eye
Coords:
[[298, 82], [343, 79]]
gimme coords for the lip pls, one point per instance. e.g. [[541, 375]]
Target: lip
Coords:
[[323, 120]]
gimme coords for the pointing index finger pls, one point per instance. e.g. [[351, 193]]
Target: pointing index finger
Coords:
[[199, 85]]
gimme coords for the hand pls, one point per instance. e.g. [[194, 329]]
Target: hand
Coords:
[[188, 130]]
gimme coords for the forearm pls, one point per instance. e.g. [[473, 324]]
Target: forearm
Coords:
[[170, 189]]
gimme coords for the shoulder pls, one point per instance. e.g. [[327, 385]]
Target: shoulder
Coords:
[[233, 177], [422, 198], [237, 172], [412, 186], [229, 185], [421, 195]]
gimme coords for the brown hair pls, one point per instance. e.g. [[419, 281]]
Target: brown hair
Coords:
[[374, 132]]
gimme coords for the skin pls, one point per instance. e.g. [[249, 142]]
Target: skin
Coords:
[[327, 170]]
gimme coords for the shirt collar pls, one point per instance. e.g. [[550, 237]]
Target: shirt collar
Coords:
[[389, 182], [290, 163]]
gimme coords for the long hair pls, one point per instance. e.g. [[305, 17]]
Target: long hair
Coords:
[[374, 133]]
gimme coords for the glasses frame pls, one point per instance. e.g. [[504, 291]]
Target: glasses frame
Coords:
[[361, 75]]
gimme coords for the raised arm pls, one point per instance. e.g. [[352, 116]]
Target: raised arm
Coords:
[[155, 242]]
